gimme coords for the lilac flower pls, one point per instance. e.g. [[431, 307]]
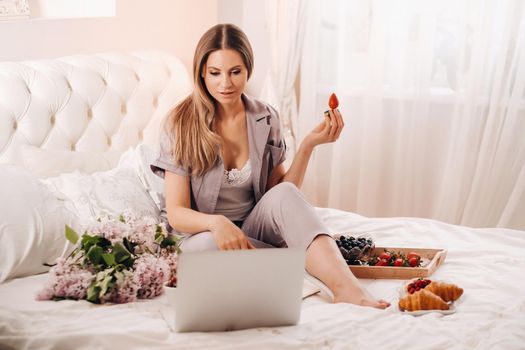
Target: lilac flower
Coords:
[[67, 281], [124, 290], [102, 273], [112, 230], [152, 272]]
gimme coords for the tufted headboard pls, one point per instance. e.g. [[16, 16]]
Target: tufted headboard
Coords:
[[100, 102]]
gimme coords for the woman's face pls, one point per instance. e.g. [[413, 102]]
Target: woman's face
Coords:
[[225, 76]]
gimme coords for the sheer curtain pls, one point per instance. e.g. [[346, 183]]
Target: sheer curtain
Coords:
[[433, 95], [285, 20]]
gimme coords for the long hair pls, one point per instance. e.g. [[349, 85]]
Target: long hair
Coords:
[[190, 124]]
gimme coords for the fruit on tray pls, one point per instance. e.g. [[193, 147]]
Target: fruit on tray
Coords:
[[397, 259], [354, 250], [333, 102], [422, 300]]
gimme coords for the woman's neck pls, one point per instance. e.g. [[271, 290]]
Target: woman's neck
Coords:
[[230, 111]]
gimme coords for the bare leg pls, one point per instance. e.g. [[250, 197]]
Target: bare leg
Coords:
[[324, 261]]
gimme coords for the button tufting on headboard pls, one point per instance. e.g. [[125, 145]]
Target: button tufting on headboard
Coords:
[[44, 103]]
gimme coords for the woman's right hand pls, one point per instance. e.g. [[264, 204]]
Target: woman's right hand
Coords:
[[227, 235]]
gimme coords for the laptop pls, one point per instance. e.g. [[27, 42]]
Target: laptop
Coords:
[[239, 289]]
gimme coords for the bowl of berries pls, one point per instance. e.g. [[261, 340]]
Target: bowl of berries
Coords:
[[355, 250], [170, 288]]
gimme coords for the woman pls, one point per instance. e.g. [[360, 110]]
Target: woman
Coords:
[[226, 187]]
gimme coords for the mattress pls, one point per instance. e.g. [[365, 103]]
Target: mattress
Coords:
[[487, 263]]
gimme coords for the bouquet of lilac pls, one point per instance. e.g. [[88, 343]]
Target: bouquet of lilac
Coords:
[[116, 260]]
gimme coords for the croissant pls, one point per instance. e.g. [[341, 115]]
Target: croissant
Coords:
[[446, 291], [422, 300]]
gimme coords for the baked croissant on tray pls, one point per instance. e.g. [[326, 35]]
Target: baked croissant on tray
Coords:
[[446, 291], [422, 300]]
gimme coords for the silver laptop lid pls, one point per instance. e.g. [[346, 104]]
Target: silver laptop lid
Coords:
[[229, 290]]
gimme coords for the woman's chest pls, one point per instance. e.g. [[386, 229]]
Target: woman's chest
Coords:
[[235, 147]]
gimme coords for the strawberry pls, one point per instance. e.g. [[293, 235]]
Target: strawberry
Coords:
[[333, 102], [173, 281]]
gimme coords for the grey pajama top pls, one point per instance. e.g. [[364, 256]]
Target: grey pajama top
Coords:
[[267, 149]]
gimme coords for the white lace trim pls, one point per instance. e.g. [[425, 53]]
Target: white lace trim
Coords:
[[236, 177]]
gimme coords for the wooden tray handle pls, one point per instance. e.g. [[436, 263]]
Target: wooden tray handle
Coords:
[[440, 257]]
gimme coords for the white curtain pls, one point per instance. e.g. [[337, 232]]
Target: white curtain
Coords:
[[285, 21], [433, 95]]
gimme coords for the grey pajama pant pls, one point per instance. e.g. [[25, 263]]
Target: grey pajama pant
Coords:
[[282, 218]]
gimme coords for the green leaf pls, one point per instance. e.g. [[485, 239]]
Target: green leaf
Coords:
[[122, 255], [109, 259], [95, 254], [106, 284], [93, 293], [87, 241], [71, 235], [159, 238], [121, 218], [103, 242], [167, 242], [130, 246]]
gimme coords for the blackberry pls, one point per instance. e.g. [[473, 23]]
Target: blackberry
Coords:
[[354, 249]]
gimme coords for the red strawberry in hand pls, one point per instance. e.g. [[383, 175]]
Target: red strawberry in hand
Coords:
[[333, 102]]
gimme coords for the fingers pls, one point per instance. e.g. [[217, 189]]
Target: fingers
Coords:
[[249, 245], [340, 122], [333, 125], [237, 244], [336, 124]]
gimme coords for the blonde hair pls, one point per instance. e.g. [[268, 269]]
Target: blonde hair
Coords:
[[190, 124]]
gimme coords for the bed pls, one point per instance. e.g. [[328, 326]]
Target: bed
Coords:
[[76, 136]]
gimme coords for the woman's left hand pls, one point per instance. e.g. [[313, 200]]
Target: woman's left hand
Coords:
[[328, 131]]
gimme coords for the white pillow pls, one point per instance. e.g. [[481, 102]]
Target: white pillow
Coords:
[[46, 162], [32, 222], [111, 192], [140, 159]]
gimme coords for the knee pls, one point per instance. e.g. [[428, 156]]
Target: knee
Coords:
[[284, 190], [199, 242]]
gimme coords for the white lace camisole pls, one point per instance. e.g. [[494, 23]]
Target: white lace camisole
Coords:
[[236, 198]]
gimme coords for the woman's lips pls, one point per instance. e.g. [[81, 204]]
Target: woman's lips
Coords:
[[227, 93]]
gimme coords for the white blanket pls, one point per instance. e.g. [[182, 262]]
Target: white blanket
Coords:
[[487, 263]]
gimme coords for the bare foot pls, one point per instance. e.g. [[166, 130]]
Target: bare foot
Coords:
[[359, 297]]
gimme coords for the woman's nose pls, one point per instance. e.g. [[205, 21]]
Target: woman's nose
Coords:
[[226, 80]]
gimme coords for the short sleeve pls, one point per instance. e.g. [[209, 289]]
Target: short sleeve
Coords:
[[166, 161]]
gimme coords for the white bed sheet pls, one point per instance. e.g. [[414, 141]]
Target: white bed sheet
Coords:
[[488, 263]]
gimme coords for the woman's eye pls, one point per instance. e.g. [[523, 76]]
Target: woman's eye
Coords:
[[236, 72], [214, 73]]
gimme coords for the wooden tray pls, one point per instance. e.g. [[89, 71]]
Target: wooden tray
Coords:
[[431, 259]]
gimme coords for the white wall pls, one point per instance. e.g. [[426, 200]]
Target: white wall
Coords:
[[170, 25], [249, 15]]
